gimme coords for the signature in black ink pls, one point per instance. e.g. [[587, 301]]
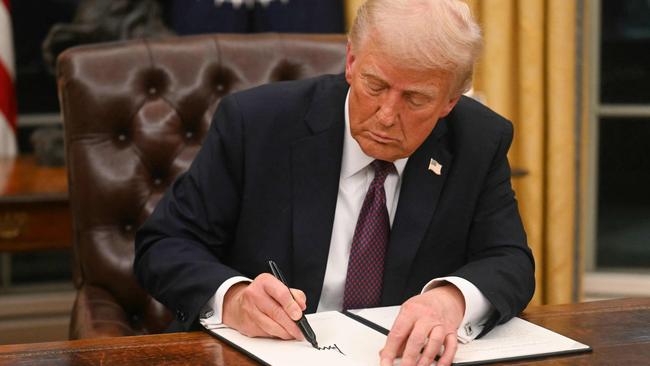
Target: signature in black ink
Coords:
[[332, 347]]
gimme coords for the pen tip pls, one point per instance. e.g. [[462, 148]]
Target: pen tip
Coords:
[[315, 344]]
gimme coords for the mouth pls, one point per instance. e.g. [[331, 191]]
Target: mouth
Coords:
[[380, 138]]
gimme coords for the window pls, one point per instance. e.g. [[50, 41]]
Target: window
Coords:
[[619, 245]]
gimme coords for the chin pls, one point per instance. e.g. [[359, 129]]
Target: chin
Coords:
[[379, 152]]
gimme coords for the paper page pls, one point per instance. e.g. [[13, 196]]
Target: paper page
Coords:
[[384, 316], [343, 341], [514, 339]]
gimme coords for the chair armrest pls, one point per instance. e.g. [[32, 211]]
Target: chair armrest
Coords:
[[97, 314]]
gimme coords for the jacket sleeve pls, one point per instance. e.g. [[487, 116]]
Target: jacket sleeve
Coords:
[[180, 248], [500, 263]]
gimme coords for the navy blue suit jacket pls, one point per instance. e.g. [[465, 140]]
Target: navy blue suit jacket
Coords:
[[264, 186]]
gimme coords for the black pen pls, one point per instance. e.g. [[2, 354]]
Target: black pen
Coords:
[[302, 323]]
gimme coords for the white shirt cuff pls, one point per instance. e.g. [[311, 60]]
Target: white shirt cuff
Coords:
[[211, 313], [477, 306]]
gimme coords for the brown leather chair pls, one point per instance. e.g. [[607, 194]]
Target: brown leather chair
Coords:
[[135, 114]]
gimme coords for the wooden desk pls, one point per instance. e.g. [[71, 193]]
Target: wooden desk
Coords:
[[34, 209], [617, 330]]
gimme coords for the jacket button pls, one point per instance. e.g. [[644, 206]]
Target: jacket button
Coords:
[[180, 315]]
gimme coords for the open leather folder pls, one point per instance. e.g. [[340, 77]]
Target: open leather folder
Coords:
[[355, 338]]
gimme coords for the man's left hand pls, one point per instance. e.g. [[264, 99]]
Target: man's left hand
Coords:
[[424, 324]]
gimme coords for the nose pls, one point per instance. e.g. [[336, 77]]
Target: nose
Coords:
[[387, 113]]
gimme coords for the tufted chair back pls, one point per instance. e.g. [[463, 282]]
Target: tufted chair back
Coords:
[[135, 114]]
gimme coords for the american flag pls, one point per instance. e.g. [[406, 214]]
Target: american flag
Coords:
[[7, 92], [435, 166]]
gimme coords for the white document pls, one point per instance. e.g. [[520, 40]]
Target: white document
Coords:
[[384, 317], [517, 338], [343, 342]]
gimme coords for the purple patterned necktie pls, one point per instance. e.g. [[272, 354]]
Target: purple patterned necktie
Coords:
[[363, 283]]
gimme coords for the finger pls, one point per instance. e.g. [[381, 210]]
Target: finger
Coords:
[[280, 293], [264, 302], [451, 346], [269, 326], [274, 311], [276, 293], [396, 339], [300, 298], [429, 353], [416, 342], [253, 322]]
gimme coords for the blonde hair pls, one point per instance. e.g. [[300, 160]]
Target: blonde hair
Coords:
[[436, 35]]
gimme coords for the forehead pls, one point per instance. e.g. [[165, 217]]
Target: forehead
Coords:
[[374, 65]]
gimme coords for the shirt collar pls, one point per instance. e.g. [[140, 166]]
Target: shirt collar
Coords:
[[354, 159]]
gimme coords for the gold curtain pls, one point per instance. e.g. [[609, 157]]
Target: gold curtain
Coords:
[[527, 74], [351, 7]]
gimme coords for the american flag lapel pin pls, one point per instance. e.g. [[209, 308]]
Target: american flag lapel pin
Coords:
[[435, 166]]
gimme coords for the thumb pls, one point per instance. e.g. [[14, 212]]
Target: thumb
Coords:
[[300, 298]]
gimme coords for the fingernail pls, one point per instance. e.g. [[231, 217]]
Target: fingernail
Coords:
[[295, 313]]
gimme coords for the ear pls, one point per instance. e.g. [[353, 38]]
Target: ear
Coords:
[[349, 60], [451, 103]]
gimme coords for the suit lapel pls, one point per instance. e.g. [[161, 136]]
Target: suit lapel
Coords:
[[418, 200], [316, 165]]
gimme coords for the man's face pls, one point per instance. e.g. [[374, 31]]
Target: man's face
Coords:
[[393, 108]]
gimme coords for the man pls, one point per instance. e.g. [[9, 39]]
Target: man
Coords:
[[381, 187]]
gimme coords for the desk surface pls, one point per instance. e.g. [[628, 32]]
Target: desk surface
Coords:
[[617, 330], [22, 179], [34, 208]]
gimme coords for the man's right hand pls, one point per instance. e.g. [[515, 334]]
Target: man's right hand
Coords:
[[264, 308]]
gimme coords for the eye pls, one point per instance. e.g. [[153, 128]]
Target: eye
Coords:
[[375, 86], [417, 100], [375, 89]]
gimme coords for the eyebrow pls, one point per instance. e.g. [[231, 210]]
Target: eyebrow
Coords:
[[373, 77]]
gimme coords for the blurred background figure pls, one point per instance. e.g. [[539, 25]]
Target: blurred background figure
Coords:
[[247, 16]]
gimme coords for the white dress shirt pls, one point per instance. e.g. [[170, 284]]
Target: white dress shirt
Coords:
[[355, 178]]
